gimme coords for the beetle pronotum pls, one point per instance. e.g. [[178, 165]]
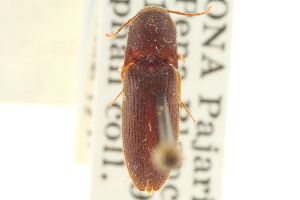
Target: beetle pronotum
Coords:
[[150, 82]]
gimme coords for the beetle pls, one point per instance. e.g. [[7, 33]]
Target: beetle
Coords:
[[149, 72]]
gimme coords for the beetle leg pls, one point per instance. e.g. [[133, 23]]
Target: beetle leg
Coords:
[[123, 69], [112, 103], [182, 104], [179, 96], [181, 57]]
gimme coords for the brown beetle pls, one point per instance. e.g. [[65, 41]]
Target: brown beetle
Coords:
[[148, 71]]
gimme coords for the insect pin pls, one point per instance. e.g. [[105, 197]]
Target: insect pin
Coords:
[[151, 97]]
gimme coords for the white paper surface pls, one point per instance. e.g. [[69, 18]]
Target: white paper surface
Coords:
[[86, 84]]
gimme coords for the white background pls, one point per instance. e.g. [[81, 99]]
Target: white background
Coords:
[[262, 141]]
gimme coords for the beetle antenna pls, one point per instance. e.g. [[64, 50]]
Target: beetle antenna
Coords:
[[118, 31], [189, 14]]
